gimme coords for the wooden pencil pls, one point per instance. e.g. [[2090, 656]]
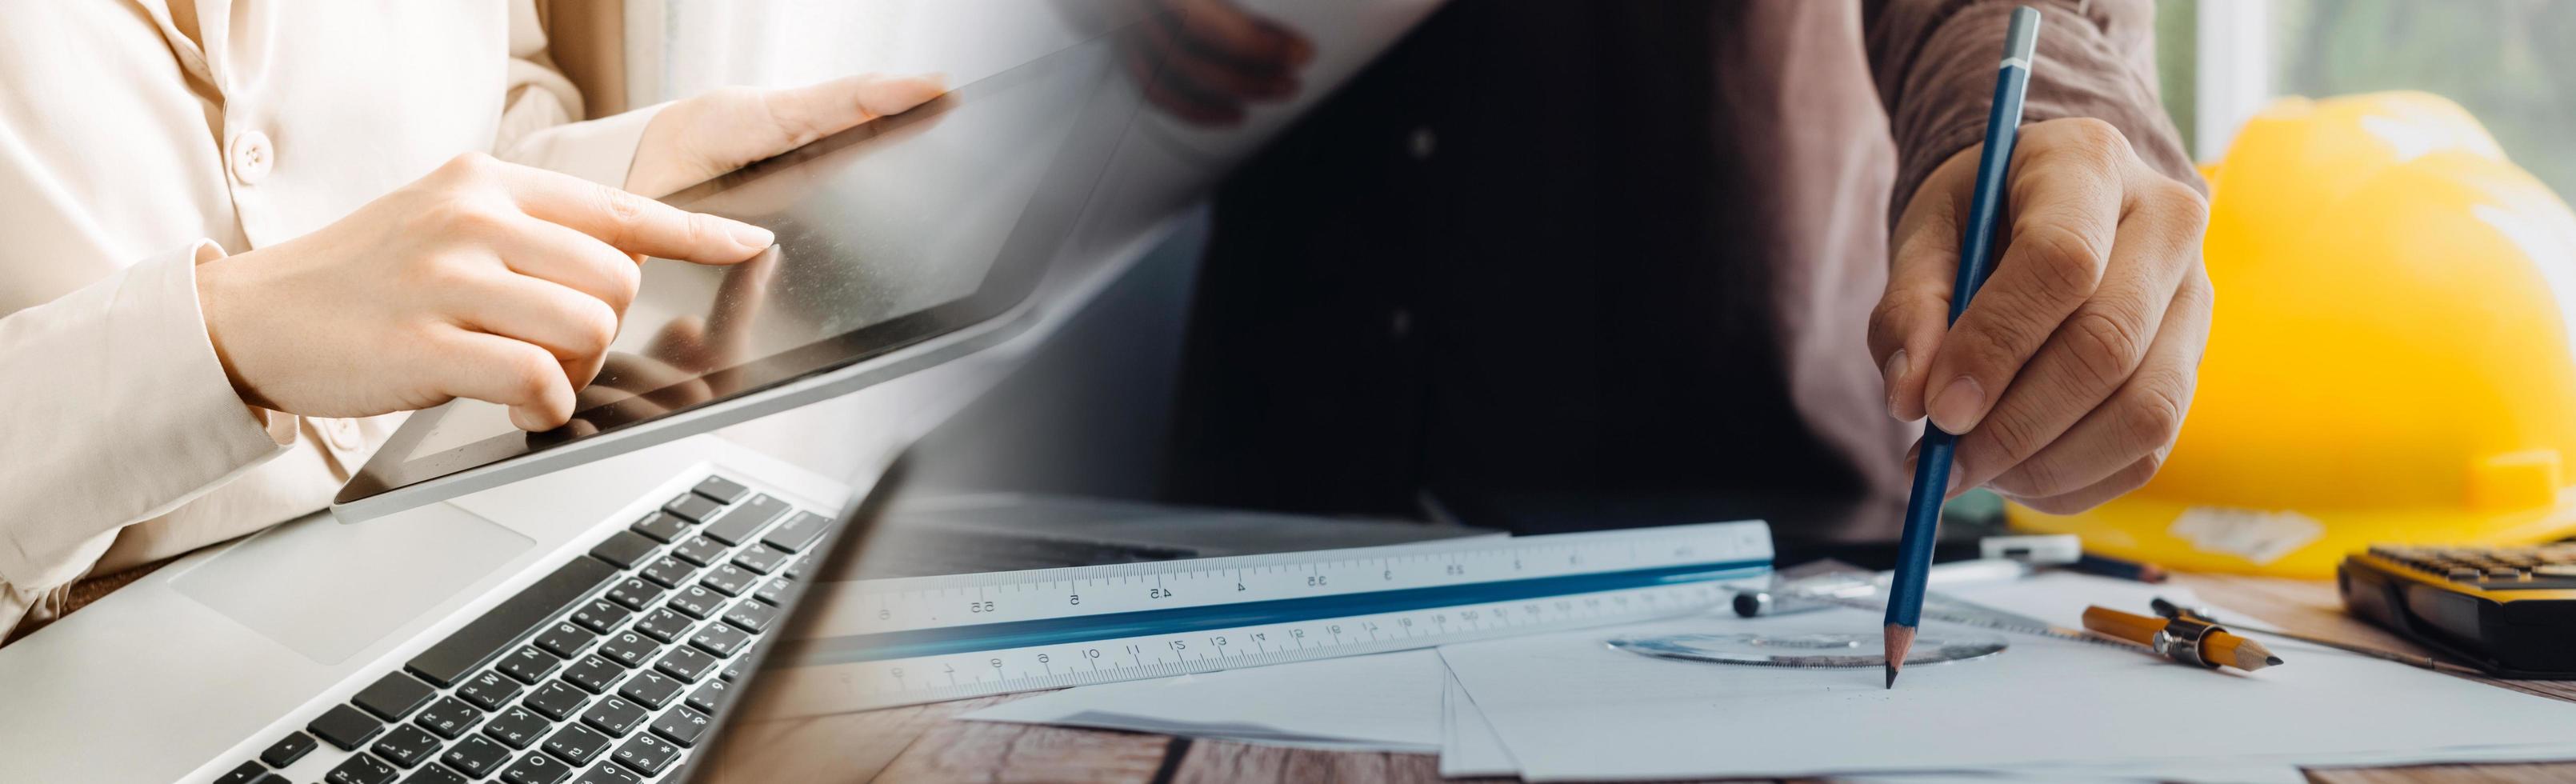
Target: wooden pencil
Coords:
[[1976, 255], [2218, 648]]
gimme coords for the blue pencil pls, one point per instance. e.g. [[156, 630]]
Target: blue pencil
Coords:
[[1976, 260]]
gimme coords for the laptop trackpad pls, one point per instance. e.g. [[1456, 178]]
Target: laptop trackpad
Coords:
[[329, 590]]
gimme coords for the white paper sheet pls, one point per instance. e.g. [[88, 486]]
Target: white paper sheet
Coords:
[[1468, 746], [2200, 773], [1566, 706], [1384, 702]]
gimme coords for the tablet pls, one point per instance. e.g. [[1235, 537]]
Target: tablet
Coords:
[[903, 242]]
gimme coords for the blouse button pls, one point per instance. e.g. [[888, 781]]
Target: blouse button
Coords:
[[251, 157]]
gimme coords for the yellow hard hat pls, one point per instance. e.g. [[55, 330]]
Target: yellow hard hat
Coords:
[[2389, 360]]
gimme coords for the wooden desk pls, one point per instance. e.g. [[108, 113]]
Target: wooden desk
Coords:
[[923, 743]]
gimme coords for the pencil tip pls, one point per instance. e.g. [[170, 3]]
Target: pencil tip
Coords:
[[1900, 639], [2274, 661]]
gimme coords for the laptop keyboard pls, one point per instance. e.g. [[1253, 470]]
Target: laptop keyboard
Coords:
[[605, 670]]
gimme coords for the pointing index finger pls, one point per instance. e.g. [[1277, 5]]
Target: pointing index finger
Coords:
[[633, 223]]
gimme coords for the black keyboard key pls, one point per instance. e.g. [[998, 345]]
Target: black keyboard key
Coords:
[[608, 773], [693, 507], [244, 773], [565, 639], [670, 572], [486, 637], [287, 750], [434, 774], [663, 526], [406, 746], [740, 524], [752, 617], [489, 690], [634, 593], [696, 602], [361, 769], [601, 615], [536, 768], [449, 717], [719, 639], [475, 756], [517, 726], [647, 754], [593, 674], [774, 592], [345, 727], [700, 550], [708, 697], [577, 744], [729, 580], [271, 778], [798, 533], [686, 664], [394, 696], [797, 570], [762, 558], [614, 716], [650, 689], [732, 671], [681, 726], [663, 624], [625, 549], [724, 491], [529, 665], [556, 700], [629, 649]]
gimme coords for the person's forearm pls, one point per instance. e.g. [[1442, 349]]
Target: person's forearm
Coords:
[[1934, 63]]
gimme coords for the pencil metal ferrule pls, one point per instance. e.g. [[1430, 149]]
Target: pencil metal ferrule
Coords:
[[2180, 640]]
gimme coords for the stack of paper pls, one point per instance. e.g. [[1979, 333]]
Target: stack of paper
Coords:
[[1565, 706]]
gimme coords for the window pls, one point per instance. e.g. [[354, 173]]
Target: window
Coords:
[[2511, 63]]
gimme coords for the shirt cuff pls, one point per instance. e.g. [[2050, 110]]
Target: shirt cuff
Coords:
[[279, 425], [143, 419]]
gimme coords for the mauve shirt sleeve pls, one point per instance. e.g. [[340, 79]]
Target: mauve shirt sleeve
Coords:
[[1934, 63]]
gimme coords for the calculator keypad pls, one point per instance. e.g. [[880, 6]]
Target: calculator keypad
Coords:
[[2551, 566]]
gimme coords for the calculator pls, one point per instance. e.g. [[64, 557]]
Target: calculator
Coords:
[[2508, 610]]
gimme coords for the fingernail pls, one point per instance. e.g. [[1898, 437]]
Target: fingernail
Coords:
[[1956, 409], [1894, 373], [1914, 451], [751, 236]]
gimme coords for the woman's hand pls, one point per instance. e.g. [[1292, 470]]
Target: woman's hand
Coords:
[[484, 280], [2069, 374], [700, 137]]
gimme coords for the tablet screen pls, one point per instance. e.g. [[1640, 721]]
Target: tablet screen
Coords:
[[889, 234]]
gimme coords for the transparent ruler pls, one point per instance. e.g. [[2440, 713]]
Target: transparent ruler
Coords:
[[878, 643]]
